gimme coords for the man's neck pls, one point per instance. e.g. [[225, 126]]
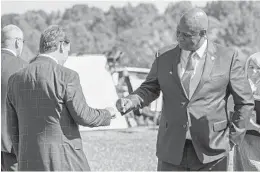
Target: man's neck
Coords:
[[10, 50], [51, 56]]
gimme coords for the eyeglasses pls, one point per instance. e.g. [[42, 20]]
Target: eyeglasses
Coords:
[[186, 35]]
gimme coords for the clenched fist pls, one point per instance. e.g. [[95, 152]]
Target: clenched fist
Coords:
[[124, 105]]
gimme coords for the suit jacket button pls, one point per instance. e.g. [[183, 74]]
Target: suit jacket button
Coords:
[[184, 125], [183, 104]]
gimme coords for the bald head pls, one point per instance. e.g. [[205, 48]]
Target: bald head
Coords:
[[195, 19], [192, 29], [12, 38], [11, 32]]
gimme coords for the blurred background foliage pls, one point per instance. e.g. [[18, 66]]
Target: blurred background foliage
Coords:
[[140, 30]]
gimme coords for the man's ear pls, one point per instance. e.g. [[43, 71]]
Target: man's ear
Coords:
[[17, 44], [203, 33]]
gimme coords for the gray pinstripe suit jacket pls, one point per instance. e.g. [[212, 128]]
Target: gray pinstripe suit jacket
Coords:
[[45, 104]]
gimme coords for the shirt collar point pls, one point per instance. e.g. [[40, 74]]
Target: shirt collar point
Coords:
[[9, 50], [46, 55], [200, 52]]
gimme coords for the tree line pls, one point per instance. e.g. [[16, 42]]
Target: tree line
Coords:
[[139, 31]]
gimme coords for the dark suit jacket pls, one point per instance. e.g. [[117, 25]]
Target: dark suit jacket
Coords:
[[45, 104], [223, 74], [9, 65]]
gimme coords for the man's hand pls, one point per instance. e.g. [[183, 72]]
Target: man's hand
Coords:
[[124, 105], [112, 112]]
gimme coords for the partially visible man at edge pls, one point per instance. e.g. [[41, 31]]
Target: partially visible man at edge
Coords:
[[196, 78], [246, 156], [11, 50], [45, 105]]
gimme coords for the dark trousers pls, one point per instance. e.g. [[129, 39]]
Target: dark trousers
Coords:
[[190, 162], [8, 162]]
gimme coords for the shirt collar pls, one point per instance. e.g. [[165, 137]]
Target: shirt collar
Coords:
[[200, 52], [46, 55], [9, 50]]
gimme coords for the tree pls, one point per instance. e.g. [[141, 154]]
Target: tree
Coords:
[[139, 31]]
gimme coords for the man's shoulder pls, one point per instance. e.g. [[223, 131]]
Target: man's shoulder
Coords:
[[223, 49], [16, 61], [165, 49], [67, 71], [69, 74], [6, 57], [21, 63], [11, 65], [19, 69]]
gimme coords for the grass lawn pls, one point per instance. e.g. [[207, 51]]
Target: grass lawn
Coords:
[[130, 149]]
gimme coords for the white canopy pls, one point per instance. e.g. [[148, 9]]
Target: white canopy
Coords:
[[97, 85]]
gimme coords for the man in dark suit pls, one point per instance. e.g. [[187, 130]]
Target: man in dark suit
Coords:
[[45, 105], [196, 77], [11, 49]]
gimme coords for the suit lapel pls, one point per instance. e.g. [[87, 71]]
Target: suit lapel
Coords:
[[175, 69], [208, 66]]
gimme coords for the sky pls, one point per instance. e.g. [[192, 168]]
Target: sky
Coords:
[[21, 6]]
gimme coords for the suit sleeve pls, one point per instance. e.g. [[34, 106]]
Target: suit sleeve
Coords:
[[12, 119], [149, 89], [79, 109], [243, 99]]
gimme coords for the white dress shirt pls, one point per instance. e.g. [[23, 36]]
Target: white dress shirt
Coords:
[[199, 61], [46, 55], [11, 51], [197, 57]]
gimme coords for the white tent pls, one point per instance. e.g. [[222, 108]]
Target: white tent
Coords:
[[97, 85]]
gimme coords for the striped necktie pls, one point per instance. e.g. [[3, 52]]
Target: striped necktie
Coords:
[[186, 77]]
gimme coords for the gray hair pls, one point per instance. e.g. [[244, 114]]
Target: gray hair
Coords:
[[10, 32], [196, 19], [51, 38]]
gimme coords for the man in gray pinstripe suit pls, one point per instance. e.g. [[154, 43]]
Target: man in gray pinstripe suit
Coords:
[[45, 105], [196, 77]]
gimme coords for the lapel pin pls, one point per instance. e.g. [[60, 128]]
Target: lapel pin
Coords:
[[170, 72], [212, 58]]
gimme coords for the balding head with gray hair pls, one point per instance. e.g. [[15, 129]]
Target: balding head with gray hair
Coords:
[[192, 29], [12, 38], [196, 19]]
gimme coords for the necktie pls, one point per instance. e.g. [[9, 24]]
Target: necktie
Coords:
[[186, 78]]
